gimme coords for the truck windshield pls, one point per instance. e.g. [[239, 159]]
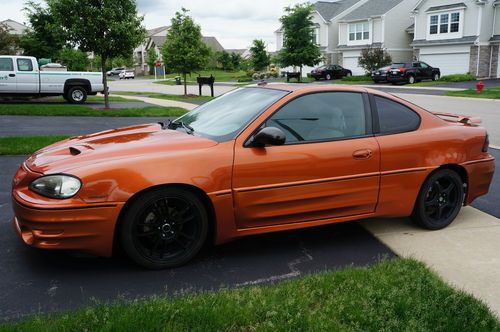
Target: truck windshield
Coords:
[[223, 118]]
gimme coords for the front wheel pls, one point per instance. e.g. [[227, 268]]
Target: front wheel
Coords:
[[439, 201], [349, 74], [76, 95], [328, 77], [411, 79], [164, 228]]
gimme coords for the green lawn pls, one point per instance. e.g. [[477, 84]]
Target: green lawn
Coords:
[[491, 93], [220, 75], [170, 82], [81, 110], [97, 99], [395, 295], [27, 144], [167, 96]]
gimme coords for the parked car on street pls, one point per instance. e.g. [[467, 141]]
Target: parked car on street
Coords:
[[329, 72], [411, 72], [21, 76], [126, 74], [288, 157], [115, 71], [380, 75]]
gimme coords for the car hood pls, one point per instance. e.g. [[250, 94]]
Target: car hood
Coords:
[[122, 143]]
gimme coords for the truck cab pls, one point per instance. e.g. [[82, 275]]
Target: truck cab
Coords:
[[21, 76]]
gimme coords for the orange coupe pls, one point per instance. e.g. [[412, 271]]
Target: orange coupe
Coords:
[[256, 160]]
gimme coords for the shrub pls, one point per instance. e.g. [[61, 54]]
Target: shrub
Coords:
[[245, 79], [373, 58], [358, 78], [458, 78]]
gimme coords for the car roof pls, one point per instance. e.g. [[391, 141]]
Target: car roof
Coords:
[[309, 87]]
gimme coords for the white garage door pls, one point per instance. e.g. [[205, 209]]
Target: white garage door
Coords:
[[452, 63], [351, 63]]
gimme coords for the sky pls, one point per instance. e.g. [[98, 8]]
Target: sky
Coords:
[[235, 23]]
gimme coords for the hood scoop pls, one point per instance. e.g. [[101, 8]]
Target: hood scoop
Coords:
[[75, 151]]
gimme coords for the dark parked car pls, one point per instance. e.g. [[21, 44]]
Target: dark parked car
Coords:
[[329, 72], [115, 71], [411, 72], [380, 75]]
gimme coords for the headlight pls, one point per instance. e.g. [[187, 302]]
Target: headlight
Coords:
[[56, 186]]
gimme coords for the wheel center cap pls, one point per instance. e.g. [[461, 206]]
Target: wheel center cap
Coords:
[[166, 228]]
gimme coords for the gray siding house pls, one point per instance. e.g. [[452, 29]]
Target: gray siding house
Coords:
[[458, 36], [376, 23]]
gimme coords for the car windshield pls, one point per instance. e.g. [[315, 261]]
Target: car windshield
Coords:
[[223, 118]]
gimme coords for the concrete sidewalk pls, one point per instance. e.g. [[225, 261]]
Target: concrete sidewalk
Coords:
[[161, 102], [466, 254]]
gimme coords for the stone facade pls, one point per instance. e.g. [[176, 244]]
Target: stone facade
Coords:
[[484, 52], [494, 60]]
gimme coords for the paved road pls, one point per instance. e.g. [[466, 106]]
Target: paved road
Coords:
[[96, 105], [34, 281], [66, 125]]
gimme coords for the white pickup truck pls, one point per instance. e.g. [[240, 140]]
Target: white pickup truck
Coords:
[[21, 76]]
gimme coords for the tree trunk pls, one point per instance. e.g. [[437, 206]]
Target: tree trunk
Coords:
[[185, 84], [105, 82], [300, 74]]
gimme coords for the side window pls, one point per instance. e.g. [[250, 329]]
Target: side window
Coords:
[[394, 117], [6, 64], [24, 65], [416, 65], [424, 65], [321, 116]]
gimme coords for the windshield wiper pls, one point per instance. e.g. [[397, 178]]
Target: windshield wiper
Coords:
[[178, 124]]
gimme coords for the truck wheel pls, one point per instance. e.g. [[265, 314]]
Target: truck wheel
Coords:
[[76, 95], [435, 77]]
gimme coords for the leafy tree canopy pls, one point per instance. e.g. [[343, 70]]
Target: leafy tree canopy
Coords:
[[299, 48], [8, 42], [259, 57], [184, 50]]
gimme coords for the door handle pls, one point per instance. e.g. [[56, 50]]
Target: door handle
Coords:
[[12, 75], [362, 154]]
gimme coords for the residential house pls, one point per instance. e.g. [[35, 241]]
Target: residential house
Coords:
[[155, 39], [325, 18], [16, 29], [458, 36], [376, 23], [244, 52]]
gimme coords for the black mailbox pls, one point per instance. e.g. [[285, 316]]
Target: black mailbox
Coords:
[[290, 75], [206, 80]]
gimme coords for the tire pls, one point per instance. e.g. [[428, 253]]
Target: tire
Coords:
[[349, 74], [169, 221], [436, 77], [316, 78], [439, 201], [328, 77], [411, 79], [376, 81], [76, 95]]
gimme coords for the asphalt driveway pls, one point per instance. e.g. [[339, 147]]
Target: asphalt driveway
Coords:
[[33, 281]]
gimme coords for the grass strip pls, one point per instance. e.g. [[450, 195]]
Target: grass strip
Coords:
[[81, 110], [26, 145], [489, 93], [394, 295]]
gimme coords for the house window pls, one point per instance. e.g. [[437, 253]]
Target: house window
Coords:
[[444, 23], [359, 31], [315, 36]]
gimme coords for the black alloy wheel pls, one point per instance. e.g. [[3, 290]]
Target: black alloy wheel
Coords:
[[440, 200], [164, 228]]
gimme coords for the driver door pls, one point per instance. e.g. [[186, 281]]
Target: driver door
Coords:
[[328, 167]]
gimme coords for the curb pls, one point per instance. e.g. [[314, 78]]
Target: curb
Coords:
[[464, 98]]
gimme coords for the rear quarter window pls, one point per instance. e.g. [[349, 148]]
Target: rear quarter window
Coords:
[[395, 118]]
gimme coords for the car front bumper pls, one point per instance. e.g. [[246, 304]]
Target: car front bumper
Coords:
[[87, 229]]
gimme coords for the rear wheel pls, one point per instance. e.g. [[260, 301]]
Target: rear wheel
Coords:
[[439, 201], [435, 77], [76, 95], [164, 228], [411, 79], [328, 77], [349, 74]]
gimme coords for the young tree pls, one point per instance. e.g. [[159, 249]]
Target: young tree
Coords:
[[45, 38], [224, 59], [8, 42], [151, 60], [184, 50], [236, 60], [373, 58], [259, 57], [108, 28], [299, 48]]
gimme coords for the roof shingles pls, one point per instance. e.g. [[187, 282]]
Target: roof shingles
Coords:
[[329, 10], [371, 8]]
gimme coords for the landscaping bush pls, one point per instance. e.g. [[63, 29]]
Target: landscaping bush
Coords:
[[458, 78], [358, 78], [245, 79]]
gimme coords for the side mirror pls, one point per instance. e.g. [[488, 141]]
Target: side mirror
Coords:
[[268, 136]]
